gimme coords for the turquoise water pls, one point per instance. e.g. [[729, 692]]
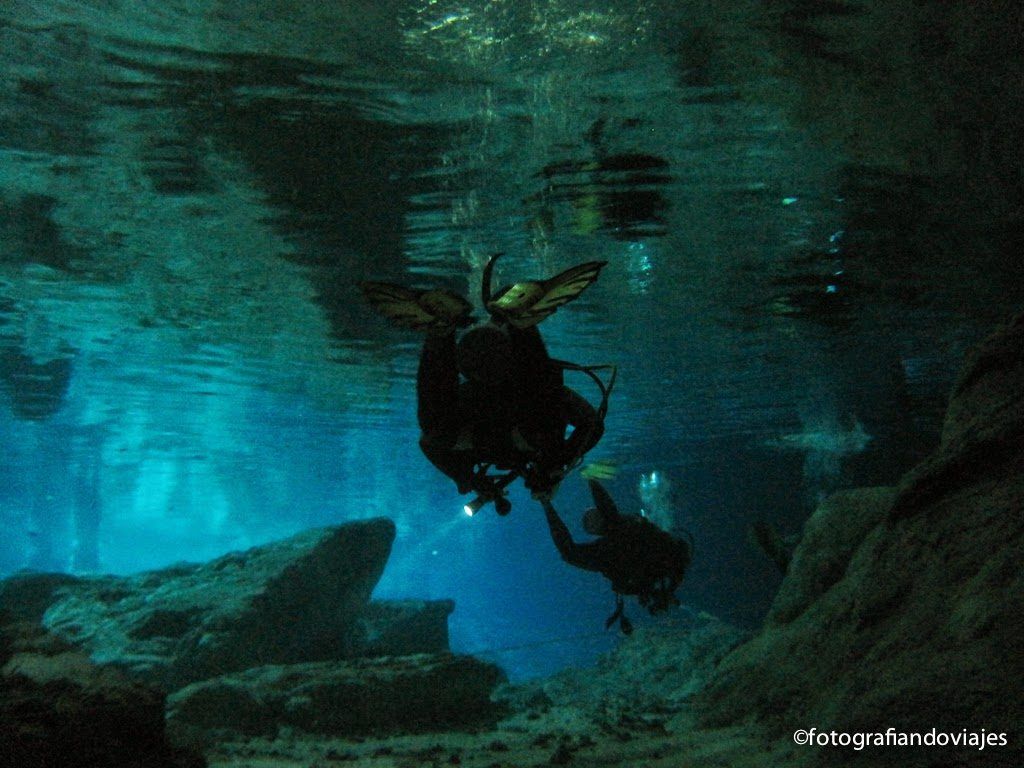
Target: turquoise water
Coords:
[[189, 194]]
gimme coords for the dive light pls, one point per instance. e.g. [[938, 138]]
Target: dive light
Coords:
[[501, 505], [496, 494]]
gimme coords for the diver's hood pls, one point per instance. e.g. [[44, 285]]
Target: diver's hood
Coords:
[[484, 354], [603, 501], [600, 518]]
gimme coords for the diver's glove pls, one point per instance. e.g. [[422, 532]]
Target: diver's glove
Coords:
[[486, 489], [543, 483], [437, 311], [544, 497]]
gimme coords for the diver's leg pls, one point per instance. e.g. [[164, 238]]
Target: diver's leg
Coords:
[[537, 371], [437, 409], [553, 452], [587, 425], [437, 384], [458, 465], [539, 418]]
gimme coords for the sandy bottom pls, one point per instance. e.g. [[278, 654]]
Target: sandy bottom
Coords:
[[557, 736]]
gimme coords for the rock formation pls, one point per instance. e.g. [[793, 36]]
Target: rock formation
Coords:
[[59, 709], [279, 636], [296, 600], [389, 695], [905, 607]]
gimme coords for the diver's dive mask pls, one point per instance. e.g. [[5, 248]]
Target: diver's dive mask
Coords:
[[484, 354]]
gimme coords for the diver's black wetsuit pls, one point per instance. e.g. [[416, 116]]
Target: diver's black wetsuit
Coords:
[[467, 423], [635, 555]]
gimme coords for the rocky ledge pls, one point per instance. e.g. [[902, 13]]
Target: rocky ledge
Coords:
[[59, 709], [398, 694]]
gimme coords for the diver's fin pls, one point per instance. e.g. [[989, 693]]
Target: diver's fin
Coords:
[[485, 281], [765, 537], [599, 469], [526, 304], [603, 501], [625, 625], [619, 607], [437, 310]]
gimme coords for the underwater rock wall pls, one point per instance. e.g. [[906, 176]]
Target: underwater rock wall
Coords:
[[920, 623], [830, 537]]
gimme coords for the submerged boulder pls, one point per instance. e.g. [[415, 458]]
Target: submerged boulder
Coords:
[[59, 709], [906, 609], [296, 600], [402, 627], [399, 694]]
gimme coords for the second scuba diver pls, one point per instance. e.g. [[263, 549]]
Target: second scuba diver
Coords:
[[638, 557], [493, 398]]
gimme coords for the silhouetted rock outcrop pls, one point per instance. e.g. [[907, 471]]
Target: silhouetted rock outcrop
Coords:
[[831, 536]]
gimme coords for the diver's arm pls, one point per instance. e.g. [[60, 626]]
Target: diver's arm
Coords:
[[571, 552], [587, 426], [551, 464]]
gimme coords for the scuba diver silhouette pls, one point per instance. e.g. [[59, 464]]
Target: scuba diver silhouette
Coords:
[[494, 398], [638, 557]]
